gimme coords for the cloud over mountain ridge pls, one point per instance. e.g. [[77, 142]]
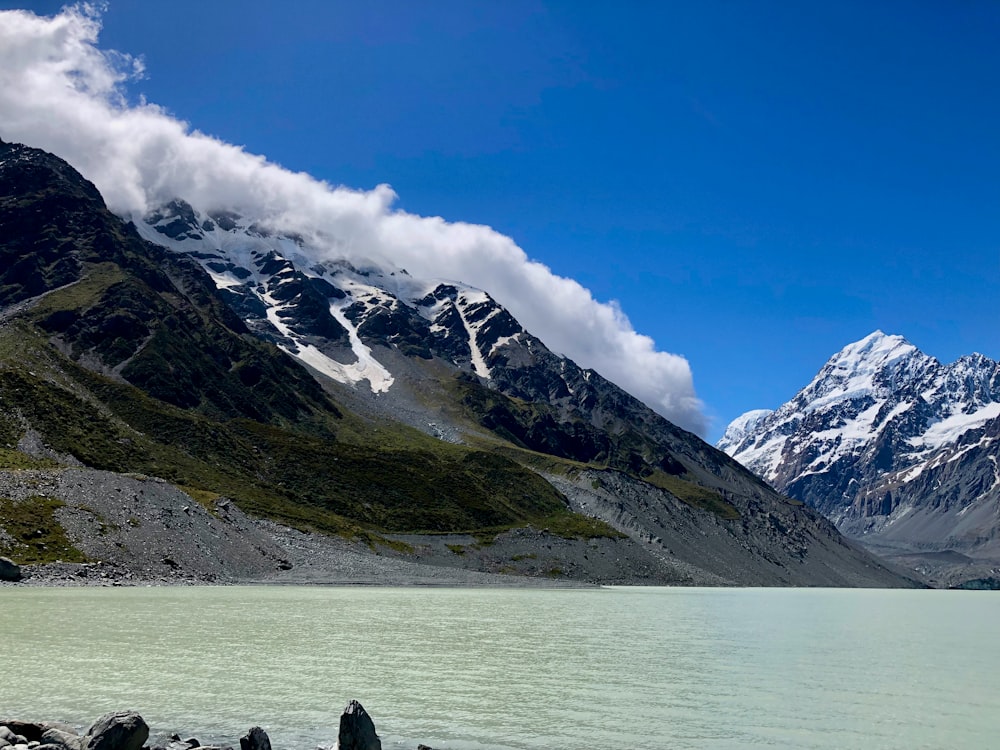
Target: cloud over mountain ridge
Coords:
[[59, 91]]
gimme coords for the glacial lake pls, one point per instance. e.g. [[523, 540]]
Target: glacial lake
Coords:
[[516, 669]]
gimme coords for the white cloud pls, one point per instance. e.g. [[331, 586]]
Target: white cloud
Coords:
[[59, 91]]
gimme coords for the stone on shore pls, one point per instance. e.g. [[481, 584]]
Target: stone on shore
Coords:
[[20, 732], [357, 730], [9, 570], [119, 730], [61, 726], [64, 740], [255, 739]]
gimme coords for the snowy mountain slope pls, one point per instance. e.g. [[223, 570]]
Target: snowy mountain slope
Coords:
[[890, 444], [329, 315], [379, 330]]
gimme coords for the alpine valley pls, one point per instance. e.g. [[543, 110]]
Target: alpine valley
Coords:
[[188, 395], [899, 450]]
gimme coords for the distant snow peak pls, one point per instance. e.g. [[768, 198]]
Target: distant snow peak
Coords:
[[883, 430], [743, 425], [875, 352]]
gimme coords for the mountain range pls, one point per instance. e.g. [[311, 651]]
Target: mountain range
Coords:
[[198, 346], [898, 449]]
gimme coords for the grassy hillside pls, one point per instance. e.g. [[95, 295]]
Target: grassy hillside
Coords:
[[383, 478], [544, 435]]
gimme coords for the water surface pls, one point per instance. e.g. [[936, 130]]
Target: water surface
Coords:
[[514, 669]]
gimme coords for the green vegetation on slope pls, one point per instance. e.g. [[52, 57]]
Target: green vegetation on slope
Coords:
[[694, 495], [549, 443], [37, 536], [303, 478]]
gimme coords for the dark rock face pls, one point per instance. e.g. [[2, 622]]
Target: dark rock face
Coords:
[[38, 252], [119, 730], [357, 730], [152, 317], [9, 570], [176, 220], [255, 739]]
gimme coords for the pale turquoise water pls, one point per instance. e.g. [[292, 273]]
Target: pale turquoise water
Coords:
[[643, 668]]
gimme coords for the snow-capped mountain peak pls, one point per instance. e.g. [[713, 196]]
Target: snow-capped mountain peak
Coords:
[[869, 366], [880, 434], [742, 426]]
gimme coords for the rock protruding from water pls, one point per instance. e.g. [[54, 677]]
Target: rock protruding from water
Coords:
[[119, 730], [255, 739], [9, 570], [357, 730]]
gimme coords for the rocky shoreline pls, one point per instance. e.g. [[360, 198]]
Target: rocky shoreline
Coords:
[[144, 531], [127, 730], [126, 530]]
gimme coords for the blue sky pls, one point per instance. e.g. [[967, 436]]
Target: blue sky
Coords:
[[757, 184]]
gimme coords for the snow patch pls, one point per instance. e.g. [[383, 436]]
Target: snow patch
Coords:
[[478, 362], [367, 367], [950, 429]]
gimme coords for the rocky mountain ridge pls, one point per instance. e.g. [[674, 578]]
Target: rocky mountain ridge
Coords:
[[898, 449], [361, 324], [219, 358]]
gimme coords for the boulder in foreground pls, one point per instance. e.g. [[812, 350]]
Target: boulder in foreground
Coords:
[[357, 730], [119, 730], [9, 570], [255, 739]]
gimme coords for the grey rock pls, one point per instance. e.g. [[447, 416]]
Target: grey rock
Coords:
[[19, 732], [357, 730], [9, 570], [3, 744], [119, 730], [63, 739], [61, 726], [47, 746], [255, 739]]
